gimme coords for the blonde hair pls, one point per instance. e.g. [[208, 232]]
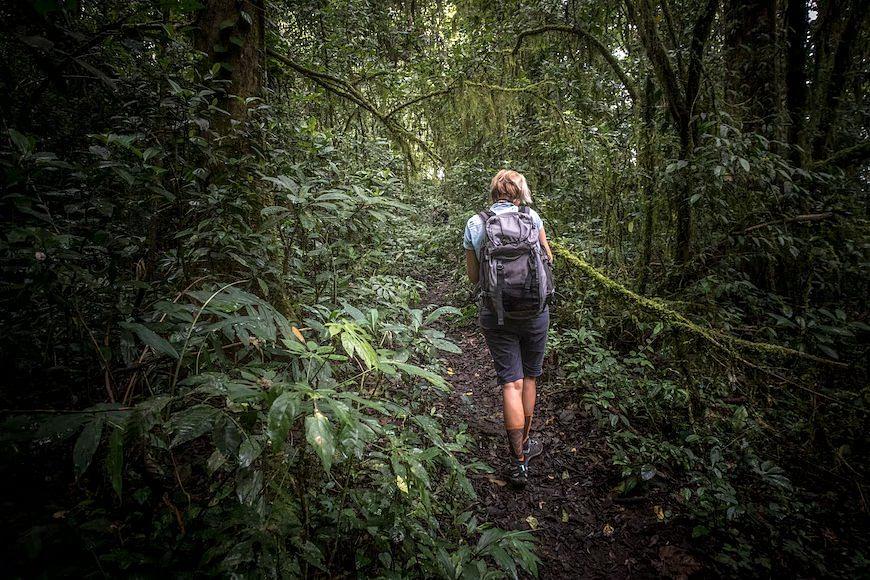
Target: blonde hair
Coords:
[[510, 185]]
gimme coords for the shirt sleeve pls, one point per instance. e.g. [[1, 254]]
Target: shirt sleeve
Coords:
[[537, 219], [467, 242]]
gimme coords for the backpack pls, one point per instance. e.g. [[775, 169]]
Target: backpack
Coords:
[[515, 274]]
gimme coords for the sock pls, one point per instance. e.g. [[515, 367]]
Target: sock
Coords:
[[515, 442]]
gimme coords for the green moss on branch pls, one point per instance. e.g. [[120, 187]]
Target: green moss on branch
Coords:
[[725, 342]]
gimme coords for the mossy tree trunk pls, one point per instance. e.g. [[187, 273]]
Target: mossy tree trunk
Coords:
[[680, 92], [750, 45], [232, 34], [845, 23], [796, 28], [648, 181]]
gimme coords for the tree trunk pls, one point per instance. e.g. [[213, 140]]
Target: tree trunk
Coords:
[[750, 39], [797, 23], [680, 101], [231, 33], [831, 92], [648, 177], [641, 13]]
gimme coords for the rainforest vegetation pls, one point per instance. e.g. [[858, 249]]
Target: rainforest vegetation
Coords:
[[237, 338]]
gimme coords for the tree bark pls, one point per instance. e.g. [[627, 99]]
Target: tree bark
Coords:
[[232, 34], [831, 92], [680, 100], [648, 177], [750, 39], [797, 26]]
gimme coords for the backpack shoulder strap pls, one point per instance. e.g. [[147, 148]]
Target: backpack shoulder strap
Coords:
[[525, 209]]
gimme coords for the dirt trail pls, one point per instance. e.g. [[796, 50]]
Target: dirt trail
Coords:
[[582, 531]]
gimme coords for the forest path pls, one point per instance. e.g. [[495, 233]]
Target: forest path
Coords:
[[582, 531]]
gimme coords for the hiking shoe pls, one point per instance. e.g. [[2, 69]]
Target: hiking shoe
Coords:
[[518, 473], [532, 448]]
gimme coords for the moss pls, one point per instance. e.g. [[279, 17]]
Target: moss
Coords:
[[725, 342]]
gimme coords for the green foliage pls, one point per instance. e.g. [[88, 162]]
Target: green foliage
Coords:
[[214, 307], [724, 466], [259, 423]]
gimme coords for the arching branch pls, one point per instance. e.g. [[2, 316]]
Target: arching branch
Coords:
[[599, 46], [845, 158], [725, 342], [416, 100], [347, 91], [528, 89]]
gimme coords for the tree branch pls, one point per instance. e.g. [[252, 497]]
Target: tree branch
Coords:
[[810, 217], [347, 91], [577, 30], [715, 252], [641, 16], [725, 342], [845, 158], [700, 34], [416, 100], [526, 89], [675, 45]]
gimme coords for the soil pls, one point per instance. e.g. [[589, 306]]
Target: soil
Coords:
[[583, 528]]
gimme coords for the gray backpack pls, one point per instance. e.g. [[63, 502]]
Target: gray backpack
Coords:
[[515, 274]]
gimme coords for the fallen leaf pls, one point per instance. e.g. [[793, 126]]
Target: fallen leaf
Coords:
[[469, 393], [564, 517], [659, 512], [450, 371], [59, 515], [297, 334], [608, 530], [401, 484], [497, 481], [573, 450], [533, 522], [565, 474]]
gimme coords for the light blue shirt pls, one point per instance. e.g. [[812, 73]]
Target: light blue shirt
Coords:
[[473, 239]]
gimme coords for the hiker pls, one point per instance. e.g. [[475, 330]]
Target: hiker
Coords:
[[507, 255]]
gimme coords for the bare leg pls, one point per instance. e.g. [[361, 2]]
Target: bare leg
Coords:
[[514, 419], [530, 389]]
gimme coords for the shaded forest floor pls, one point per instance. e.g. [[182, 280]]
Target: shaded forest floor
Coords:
[[583, 529]]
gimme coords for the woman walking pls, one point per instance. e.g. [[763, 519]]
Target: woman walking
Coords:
[[507, 254]]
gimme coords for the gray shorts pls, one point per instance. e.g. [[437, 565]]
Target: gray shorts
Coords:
[[518, 346]]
